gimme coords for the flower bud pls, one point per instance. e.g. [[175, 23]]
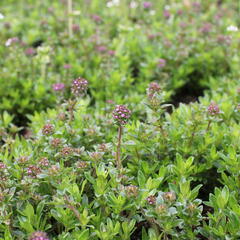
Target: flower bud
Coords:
[[121, 115], [39, 236], [48, 129], [79, 86]]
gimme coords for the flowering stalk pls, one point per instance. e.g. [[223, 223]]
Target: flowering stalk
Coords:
[[118, 155], [121, 115]]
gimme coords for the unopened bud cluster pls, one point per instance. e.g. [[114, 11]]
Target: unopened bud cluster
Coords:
[[39, 236], [213, 109], [79, 86], [48, 129], [121, 114]]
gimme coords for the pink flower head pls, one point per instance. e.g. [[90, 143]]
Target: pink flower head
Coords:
[[153, 89], [97, 18], [111, 53], [30, 51], [11, 41], [147, 5], [79, 86], [166, 14], [213, 109], [38, 236], [101, 49], [75, 28], [161, 62], [206, 28], [2, 165], [67, 66], [121, 114], [58, 87]]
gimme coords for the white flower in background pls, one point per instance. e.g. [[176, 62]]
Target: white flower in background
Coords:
[[113, 3], [167, 7], [133, 4], [1, 16], [152, 12], [8, 42], [232, 28]]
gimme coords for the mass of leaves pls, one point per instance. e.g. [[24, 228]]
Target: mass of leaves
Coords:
[[119, 120]]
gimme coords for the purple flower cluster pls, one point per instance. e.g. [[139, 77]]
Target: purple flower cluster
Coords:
[[48, 129], [161, 62], [147, 5], [213, 109], [44, 162], [153, 89], [79, 86], [33, 171], [39, 236], [121, 114], [58, 86], [2, 165], [151, 200]]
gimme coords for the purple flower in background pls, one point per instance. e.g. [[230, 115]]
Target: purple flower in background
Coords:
[[147, 5], [111, 53], [39, 236], [206, 28], [10, 41], [213, 109], [166, 14], [121, 114], [30, 51], [97, 18], [161, 62], [79, 86], [101, 49], [153, 89], [67, 66], [75, 28], [58, 87]]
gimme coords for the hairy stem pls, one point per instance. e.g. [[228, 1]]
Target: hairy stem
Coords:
[[118, 155]]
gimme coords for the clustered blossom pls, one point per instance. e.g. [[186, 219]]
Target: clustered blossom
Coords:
[[147, 5], [58, 86], [67, 66], [56, 142], [39, 236], [48, 129], [213, 109], [44, 162], [33, 171], [30, 51], [10, 41], [151, 200], [2, 165], [121, 114], [97, 18], [131, 191], [161, 63], [66, 151], [153, 89], [79, 86]]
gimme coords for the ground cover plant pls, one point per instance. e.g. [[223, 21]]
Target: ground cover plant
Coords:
[[119, 120]]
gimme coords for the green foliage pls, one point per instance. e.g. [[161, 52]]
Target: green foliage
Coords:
[[180, 173]]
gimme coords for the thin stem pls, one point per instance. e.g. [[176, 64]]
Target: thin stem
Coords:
[[118, 155], [208, 126], [71, 110]]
